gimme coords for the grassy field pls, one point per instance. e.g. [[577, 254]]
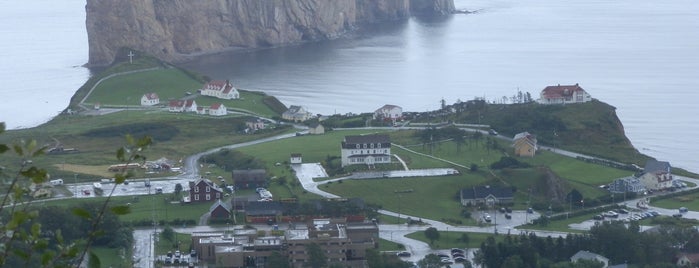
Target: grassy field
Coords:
[[143, 208], [183, 240], [98, 137], [385, 245], [689, 201], [127, 89], [449, 240]]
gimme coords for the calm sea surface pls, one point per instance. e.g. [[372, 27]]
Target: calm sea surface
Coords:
[[640, 56]]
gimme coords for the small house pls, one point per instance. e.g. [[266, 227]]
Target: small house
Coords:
[[249, 178], [150, 99], [296, 159], [220, 210], [296, 114], [656, 175], [316, 129], [486, 195], [255, 124], [218, 109], [263, 212], [190, 106], [685, 259], [176, 106], [586, 255], [524, 144]]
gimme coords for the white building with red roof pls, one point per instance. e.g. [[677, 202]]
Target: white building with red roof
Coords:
[[150, 99], [190, 106], [563, 94], [176, 106], [389, 113], [218, 109], [220, 89]]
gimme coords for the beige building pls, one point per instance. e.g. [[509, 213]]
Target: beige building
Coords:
[[524, 144]]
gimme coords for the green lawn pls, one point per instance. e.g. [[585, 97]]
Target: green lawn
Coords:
[[129, 88], [449, 240], [385, 245], [576, 170], [143, 207], [689, 201], [183, 240], [431, 197]]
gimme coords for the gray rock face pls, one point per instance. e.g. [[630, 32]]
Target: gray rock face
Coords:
[[175, 29]]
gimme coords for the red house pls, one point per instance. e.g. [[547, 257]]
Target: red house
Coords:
[[203, 191], [220, 210]]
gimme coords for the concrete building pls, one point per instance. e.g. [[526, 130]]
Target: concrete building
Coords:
[[366, 150]]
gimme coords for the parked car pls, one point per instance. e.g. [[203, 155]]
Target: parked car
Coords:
[[598, 217], [443, 256], [459, 259], [683, 210], [403, 254], [677, 215], [457, 250], [622, 211]]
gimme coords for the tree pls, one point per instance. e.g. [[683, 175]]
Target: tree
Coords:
[[432, 234], [277, 260], [168, 234], [27, 243], [473, 168], [430, 261], [316, 257], [178, 190]]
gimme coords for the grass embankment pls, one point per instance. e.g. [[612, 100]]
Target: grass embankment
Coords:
[[449, 240], [113, 257]]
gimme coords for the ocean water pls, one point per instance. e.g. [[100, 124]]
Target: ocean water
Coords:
[[641, 56]]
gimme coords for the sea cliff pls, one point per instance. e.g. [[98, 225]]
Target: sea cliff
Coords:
[[175, 29]]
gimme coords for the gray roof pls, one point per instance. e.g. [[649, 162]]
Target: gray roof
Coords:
[[263, 208], [225, 205], [374, 138], [479, 192], [586, 255], [654, 166]]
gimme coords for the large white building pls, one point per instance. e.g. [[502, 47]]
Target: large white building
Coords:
[[220, 89], [389, 112], [563, 94], [367, 150]]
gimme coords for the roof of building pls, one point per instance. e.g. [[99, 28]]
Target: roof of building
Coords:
[[479, 192], [263, 208], [176, 103], [373, 138], [151, 96], [654, 166], [692, 257], [560, 91], [225, 205], [207, 182], [388, 107], [215, 106], [526, 135], [294, 109], [586, 255], [190, 103], [295, 155]]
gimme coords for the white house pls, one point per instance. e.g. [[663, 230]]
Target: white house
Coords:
[[296, 158], [176, 106], [367, 150], [255, 124], [150, 99], [296, 114], [656, 175], [316, 129], [563, 94], [220, 89], [190, 106], [218, 109], [389, 113]]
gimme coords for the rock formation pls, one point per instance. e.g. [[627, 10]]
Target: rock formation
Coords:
[[175, 29]]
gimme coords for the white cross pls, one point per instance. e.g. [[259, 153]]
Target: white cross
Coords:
[[131, 57]]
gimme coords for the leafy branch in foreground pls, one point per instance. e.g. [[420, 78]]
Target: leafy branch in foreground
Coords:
[[23, 241]]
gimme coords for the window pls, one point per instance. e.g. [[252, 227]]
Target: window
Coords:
[[357, 146], [365, 146], [208, 189], [196, 197], [208, 196], [196, 189], [378, 145], [371, 145]]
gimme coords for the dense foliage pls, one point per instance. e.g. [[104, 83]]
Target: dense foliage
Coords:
[[646, 249], [233, 160]]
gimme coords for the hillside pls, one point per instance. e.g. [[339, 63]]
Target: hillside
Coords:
[[591, 128], [173, 30]]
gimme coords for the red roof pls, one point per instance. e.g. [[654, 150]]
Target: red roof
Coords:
[[189, 103], [176, 103], [151, 96], [560, 91], [215, 106]]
